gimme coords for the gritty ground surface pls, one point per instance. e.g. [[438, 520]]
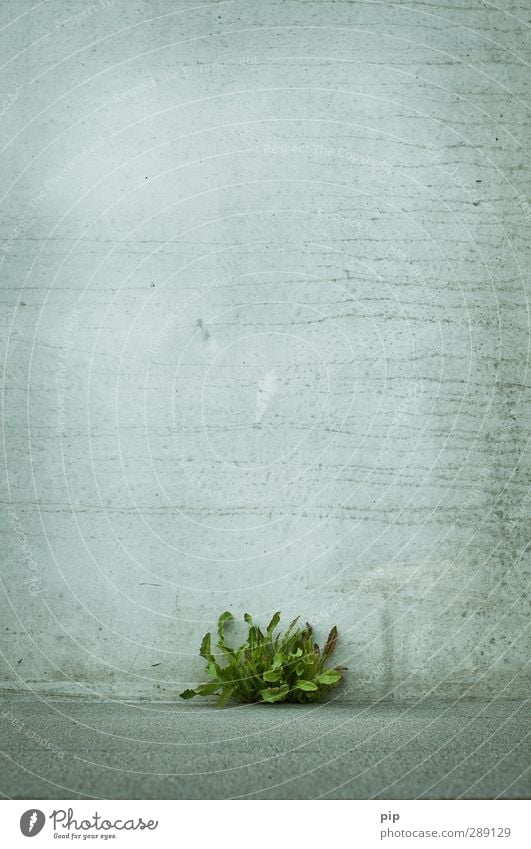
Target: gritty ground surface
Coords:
[[73, 748]]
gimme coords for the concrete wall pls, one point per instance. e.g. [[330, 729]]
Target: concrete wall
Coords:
[[265, 337]]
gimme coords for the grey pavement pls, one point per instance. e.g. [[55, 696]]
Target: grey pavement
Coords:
[[65, 747]]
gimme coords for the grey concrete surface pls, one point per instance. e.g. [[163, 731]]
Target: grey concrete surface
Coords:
[[264, 339], [71, 748]]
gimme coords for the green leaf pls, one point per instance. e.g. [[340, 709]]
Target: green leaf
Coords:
[[208, 689], [329, 676], [227, 652], [272, 675], [205, 650], [330, 643], [225, 696], [307, 686], [248, 618], [225, 617], [188, 694], [277, 661], [292, 625], [274, 622], [274, 694], [212, 668], [252, 637]]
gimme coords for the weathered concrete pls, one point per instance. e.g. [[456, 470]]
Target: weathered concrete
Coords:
[[77, 748], [265, 329]]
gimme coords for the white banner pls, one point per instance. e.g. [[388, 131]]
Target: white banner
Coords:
[[266, 824]]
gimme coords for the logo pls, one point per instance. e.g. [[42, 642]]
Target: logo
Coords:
[[31, 822]]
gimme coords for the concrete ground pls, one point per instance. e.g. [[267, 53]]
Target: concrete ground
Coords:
[[72, 748]]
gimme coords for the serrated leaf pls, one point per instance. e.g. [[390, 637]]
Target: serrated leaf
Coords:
[[188, 694], [330, 643], [225, 617], [292, 625], [307, 686], [274, 694], [273, 623], [205, 650], [329, 676]]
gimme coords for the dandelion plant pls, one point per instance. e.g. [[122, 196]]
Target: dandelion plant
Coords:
[[281, 667]]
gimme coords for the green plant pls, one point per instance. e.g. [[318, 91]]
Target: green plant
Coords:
[[287, 667]]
